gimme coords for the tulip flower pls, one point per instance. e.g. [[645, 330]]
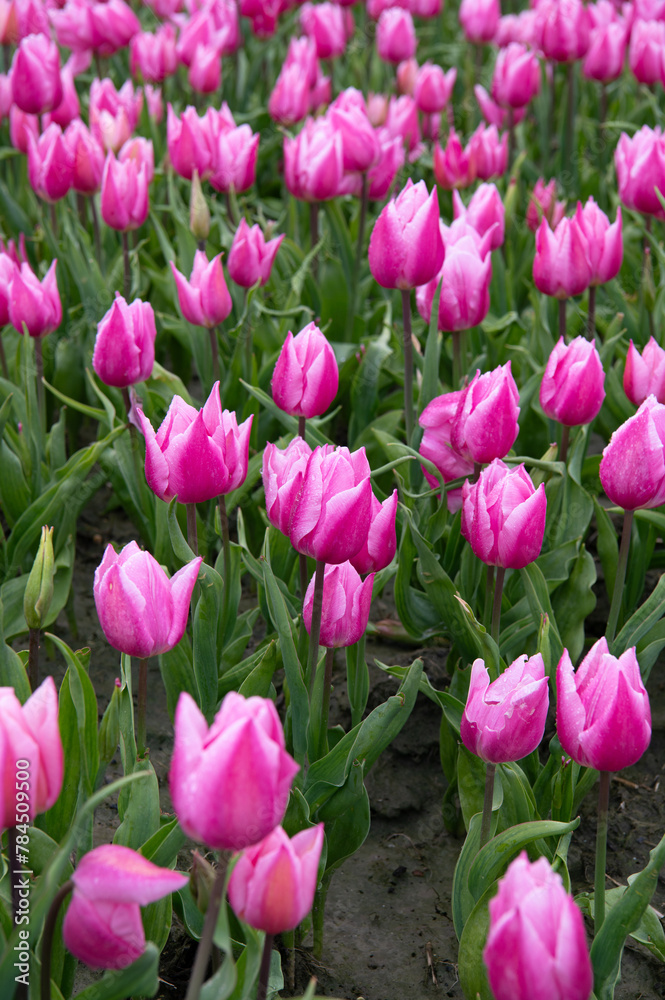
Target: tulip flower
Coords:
[[113, 113], [35, 75], [561, 266], [325, 24], [196, 454], [314, 161], [516, 79], [346, 605], [205, 69], [103, 926], [87, 158], [251, 257], [234, 159], [562, 29], [30, 733], [283, 472], [644, 375], [407, 73], [632, 469], [272, 884], [604, 241], [124, 198], [437, 419], [488, 152], [33, 303], [640, 167], [381, 177], [379, 549], [360, 144], [305, 379], [526, 956], [572, 390], [69, 107], [543, 205], [455, 167], [645, 52], [230, 783], [485, 425], [406, 249], [402, 121], [505, 720], [433, 88], [153, 56], [603, 716], [479, 20], [204, 299], [606, 53], [485, 212], [143, 613], [465, 279], [290, 97], [190, 142], [503, 516], [125, 344], [50, 164], [395, 35]]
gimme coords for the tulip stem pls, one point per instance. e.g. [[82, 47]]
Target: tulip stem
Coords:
[[133, 439], [39, 368], [33, 658], [142, 707], [205, 942], [3, 359], [619, 580], [318, 914], [359, 250], [325, 702], [591, 318], [127, 267], [214, 347], [457, 358], [226, 549], [191, 528], [601, 850], [314, 235], [496, 609], [264, 971], [569, 136], [486, 824], [315, 628], [302, 423], [562, 318], [95, 227], [565, 441], [47, 937], [489, 584], [408, 364], [302, 564], [511, 138]]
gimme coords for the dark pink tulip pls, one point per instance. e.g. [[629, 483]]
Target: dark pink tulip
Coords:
[[406, 249], [114, 25], [33, 303], [142, 612], [455, 167], [465, 279], [360, 144], [402, 121], [520, 27], [488, 152], [493, 113], [485, 212], [69, 108], [648, 10], [195, 455], [395, 35], [230, 782], [113, 113], [547, 960], [644, 375], [6, 96], [190, 142], [437, 419], [153, 56], [381, 545], [31, 18], [153, 97], [325, 24], [562, 29], [305, 379], [426, 8], [382, 175], [346, 605], [561, 266], [273, 883], [124, 198], [605, 242], [479, 20], [407, 74], [646, 50], [30, 732], [204, 299], [516, 79], [283, 473], [377, 109], [505, 720], [103, 925], [485, 425], [8, 265], [205, 70], [314, 161], [125, 344], [215, 22], [290, 97], [543, 204], [35, 75], [572, 390], [234, 159], [603, 716], [632, 469], [87, 157], [433, 88], [250, 257], [50, 164], [141, 151], [607, 52], [503, 516], [640, 167], [21, 126]]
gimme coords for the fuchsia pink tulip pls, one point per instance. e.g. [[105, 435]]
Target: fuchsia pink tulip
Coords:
[[190, 142], [406, 249], [125, 344], [230, 782], [437, 419], [479, 20], [505, 720], [153, 56], [204, 299], [433, 88], [305, 379], [488, 152], [234, 159], [402, 121], [379, 549], [360, 143], [50, 164], [283, 471], [69, 107], [87, 158], [124, 198], [604, 241], [561, 266], [407, 74], [543, 205], [503, 516], [607, 52], [454, 167], [632, 469], [640, 167], [35, 75], [142, 612], [102, 27], [465, 279], [646, 49], [572, 390], [272, 884], [516, 79], [562, 28], [538, 925], [485, 212], [141, 151], [346, 603], [113, 113], [103, 926], [485, 425], [395, 35], [30, 732], [205, 69], [195, 455], [33, 303], [644, 375], [603, 717], [382, 175], [290, 97], [251, 257], [325, 24], [314, 161]]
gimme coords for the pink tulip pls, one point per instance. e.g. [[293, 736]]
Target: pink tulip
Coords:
[[516, 79], [153, 56], [377, 109], [505, 720], [395, 35], [561, 266], [527, 956], [402, 121], [360, 144], [273, 883], [644, 375], [632, 469], [250, 257], [465, 279], [603, 717], [142, 612], [153, 97], [485, 425], [35, 75], [488, 152], [379, 549], [7, 267], [605, 243], [234, 159], [141, 151], [69, 107], [426, 8], [113, 113], [325, 24], [640, 167], [407, 74], [314, 161], [382, 175], [103, 926], [124, 198], [433, 88], [289, 99], [485, 212], [190, 142], [437, 419], [114, 24], [50, 164], [124, 350], [345, 609], [196, 455], [205, 69], [455, 167], [33, 303], [406, 249], [204, 299], [29, 733], [606, 53], [214, 23], [479, 20], [646, 51], [87, 157], [306, 377], [562, 28], [572, 390], [31, 17], [283, 472], [543, 204], [503, 516], [230, 783], [520, 27]]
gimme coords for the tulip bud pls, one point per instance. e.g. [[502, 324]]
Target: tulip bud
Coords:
[[345, 608], [199, 213], [644, 375], [572, 390], [306, 377], [406, 249], [632, 469], [39, 588]]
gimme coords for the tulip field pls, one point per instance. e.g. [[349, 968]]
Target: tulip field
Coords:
[[332, 499]]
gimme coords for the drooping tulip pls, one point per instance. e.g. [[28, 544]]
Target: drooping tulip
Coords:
[[632, 469], [124, 350], [305, 379], [572, 390], [406, 249], [345, 608], [204, 299], [644, 375]]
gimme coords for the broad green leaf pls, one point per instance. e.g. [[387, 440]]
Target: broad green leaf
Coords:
[[472, 971]]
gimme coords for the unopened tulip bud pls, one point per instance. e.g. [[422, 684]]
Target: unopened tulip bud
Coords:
[[306, 377], [199, 213], [39, 588]]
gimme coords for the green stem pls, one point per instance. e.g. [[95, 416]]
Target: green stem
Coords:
[[134, 439], [314, 235], [620, 578], [33, 658], [496, 609], [214, 347], [490, 771], [408, 364], [601, 850], [318, 914], [47, 937], [142, 707], [315, 629], [570, 124], [3, 359], [325, 702], [127, 267], [562, 318], [489, 585], [95, 226], [457, 358], [360, 243], [205, 943], [264, 971], [565, 441], [191, 528], [226, 548], [39, 368], [591, 318], [302, 566]]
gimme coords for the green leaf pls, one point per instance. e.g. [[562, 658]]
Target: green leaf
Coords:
[[649, 932], [138, 979], [608, 547], [472, 970], [574, 601], [471, 772], [540, 604], [642, 621]]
